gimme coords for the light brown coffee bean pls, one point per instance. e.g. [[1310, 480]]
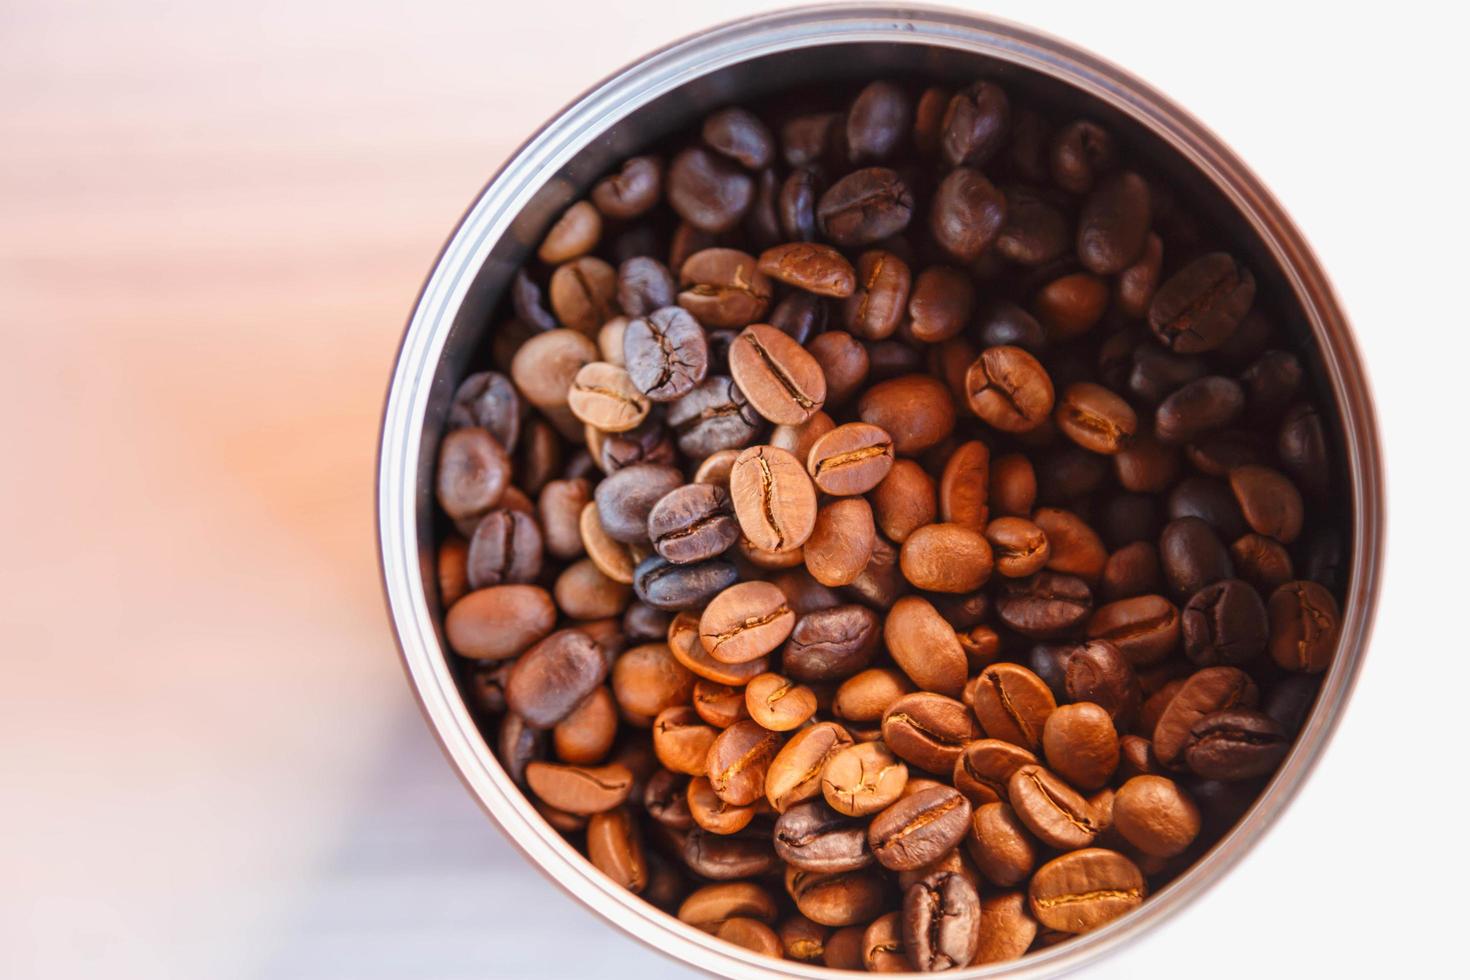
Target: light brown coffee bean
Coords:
[[774, 499], [1204, 693], [723, 287], [798, 440], [584, 592], [1095, 418], [1056, 813], [904, 500], [839, 899], [745, 622], [964, 487], [983, 770], [946, 558], [916, 411], [865, 696], [778, 704], [1007, 928], [1080, 891], [752, 934], [585, 737], [711, 906], [499, 622], [1156, 815], [880, 298], [714, 814], [1012, 704], [1019, 547], [841, 542], [646, 679], [738, 760], [795, 773], [1009, 389], [928, 730], [1002, 848], [1081, 745], [849, 459], [615, 848], [781, 380], [575, 234], [681, 739], [580, 789], [603, 396], [925, 646], [811, 266], [863, 778]]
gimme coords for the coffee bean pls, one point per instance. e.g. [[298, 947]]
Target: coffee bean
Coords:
[[802, 939], [575, 234], [838, 899], [713, 417], [796, 204], [1070, 306], [1156, 816], [1035, 232], [1074, 547], [632, 191], [1211, 501], [473, 472], [974, 125], [1263, 562], [928, 730], [707, 191], [611, 557], [488, 400], [644, 285], [841, 542], [1270, 502], [1304, 622], [1098, 672], [850, 459], [665, 353], [1058, 815], [1044, 605], [615, 848], [925, 646], [918, 829], [723, 287], [1204, 693], [816, 268], [777, 704], [1009, 389], [862, 778], [984, 769], [946, 558], [560, 511], [1006, 927], [774, 499], [1000, 845], [1081, 744], [739, 135], [879, 297], [580, 789], [715, 815], [664, 585], [692, 523], [604, 396], [831, 643], [681, 740], [506, 548], [941, 922], [1192, 556], [745, 621], [1301, 445], [781, 380], [738, 760], [1235, 744], [625, 499], [795, 773], [1114, 223], [1095, 418], [865, 207], [1144, 629], [814, 837], [1080, 891], [647, 680], [1224, 624], [751, 934], [1012, 704], [967, 214], [1202, 304], [552, 678], [728, 857], [584, 294]]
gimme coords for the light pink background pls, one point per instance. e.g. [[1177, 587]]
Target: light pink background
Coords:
[[213, 221]]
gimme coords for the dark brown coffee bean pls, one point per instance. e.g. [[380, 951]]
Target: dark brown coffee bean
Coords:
[[1224, 624], [941, 922], [983, 770], [831, 643], [1192, 556], [473, 472], [1009, 389], [1019, 546], [1155, 815], [967, 214], [632, 191], [1012, 704], [1204, 693], [580, 789], [506, 548], [862, 778], [1035, 231], [666, 800], [1235, 744], [644, 285], [839, 899], [1131, 571], [1301, 445], [1202, 304], [1270, 502], [1114, 223], [1097, 671], [940, 305], [713, 417], [774, 499], [664, 585], [692, 523], [1000, 845], [918, 829], [814, 837], [880, 296], [1070, 306], [795, 773], [708, 191], [530, 309], [779, 378], [553, 677], [500, 622], [665, 353], [1080, 891], [1145, 629], [1056, 813], [1263, 562], [1211, 501], [738, 760], [928, 730], [796, 205], [1095, 418], [739, 135], [1304, 623], [1044, 605], [865, 207], [916, 410], [878, 119], [1080, 152], [974, 125], [1081, 745], [729, 857], [745, 622], [625, 499], [488, 400]]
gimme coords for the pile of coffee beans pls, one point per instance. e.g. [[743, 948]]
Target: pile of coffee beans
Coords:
[[886, 531]]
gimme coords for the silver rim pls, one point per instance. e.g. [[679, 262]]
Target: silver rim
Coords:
[[545, 153]]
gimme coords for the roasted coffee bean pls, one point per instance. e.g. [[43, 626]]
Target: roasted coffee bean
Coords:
[[865, 207], [1263, 562], [499, 622], [1044, 605], [850, 459], [814, 837], [1301, 445], [752, 934], [780, 379], [583, 294], [1114, 223], [488, 400], [645, 285], [708, 191], [1224, 624], [796, 204], [1270, 502], [1204, 693], [1211, 501], [713, 417], [1238, 743], [648, 443], [832, 643], [941, 922], [1098, 672], [1080, 151], [816, 268], [560, 511], [1200, 407], [713, 814], [719, 704], [946, 558], [1035, 231], [918, 829], [799, 439], [839, 899], [647, 680], [665, 353], [1012, 490], [625, 499], [928, 730], [1080, 891], [1202, 304], [544, 366], [553, 677], [964, 486], [1290, 701], [723, 287], [505, 548], [925, 646], [666, 800], [904, 500], [612, 558], [710, 907], [738, 760], [862, 778], [1081, 744], [745, 622], [878, 119], [729, 857], [915, 410], [1001, 846], [967, 214], [1012, 704], [1145, 629], [664, 585], [1304, 622], [473, 472], [843, 362], [739, 135], [795, 773], [775, 703], [841, 542], [615, 848], [983, 770], [1009, 389], [1157, 373], [692, 523], [585, 736], [1074, 547], [1057, 814], [529, 305], [1155, 815], [1095, 418], [880, 296], [632, 191], [1070, 306], [681, 740], [974, 125], [1007, 928], [1131, 571], [603, 395], [580, 789], [1192, 556], [803, 940]]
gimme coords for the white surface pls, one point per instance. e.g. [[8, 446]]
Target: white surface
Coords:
[[214, 224]]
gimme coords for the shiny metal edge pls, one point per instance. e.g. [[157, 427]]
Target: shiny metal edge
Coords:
[[660, 72]]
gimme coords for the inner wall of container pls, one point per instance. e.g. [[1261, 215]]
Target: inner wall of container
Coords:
[[823, 78]]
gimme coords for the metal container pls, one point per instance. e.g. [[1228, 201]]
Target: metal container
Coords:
[[668, 90]]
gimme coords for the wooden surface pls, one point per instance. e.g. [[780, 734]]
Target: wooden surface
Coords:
[[215, 219]]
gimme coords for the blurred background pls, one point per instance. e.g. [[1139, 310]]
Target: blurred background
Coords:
[[214, 219]]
